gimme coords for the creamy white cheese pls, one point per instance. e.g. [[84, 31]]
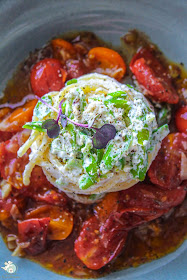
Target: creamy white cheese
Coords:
[[66, 159]]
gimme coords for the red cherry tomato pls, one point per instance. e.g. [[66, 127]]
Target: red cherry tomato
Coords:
[[34, 231], [12, 167], [98, 244], [152, 76], [47, 75], [181, 119], [166, 168]]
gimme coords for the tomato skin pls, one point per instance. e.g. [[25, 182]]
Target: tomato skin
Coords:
[[165, 169], [61, 221], [108, 62], [47, 75], [75, 69], [147, 196], [181, 119], [12, 167], [16, 119], [34, 231], [96, 246], [63, 50], [104, 235], [150, 74]]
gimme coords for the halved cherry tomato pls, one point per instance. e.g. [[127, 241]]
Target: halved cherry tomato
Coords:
[[151, 74], [104, 235], [47, 75], [165, 169], [75, 69], [34, 231], [97, 245], [9, 204], [61, 223], [148, 196], [108, 62], [51, 197], [63, 50], [21, 115], [4, 112], [12, 167], [181, 119]]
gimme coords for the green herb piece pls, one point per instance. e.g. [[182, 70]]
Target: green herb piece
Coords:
[[82, 103], [91, 168], [118, 103], [141, 169], [73, 163], [109, 158], [90, 178], [142, 136], [85, 182], [35, 126], [100, 153], [130, 86], [71, 129], [117, 94], [122, 162], [72, 81]]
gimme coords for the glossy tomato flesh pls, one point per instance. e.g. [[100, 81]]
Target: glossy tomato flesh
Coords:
[[46, 76]]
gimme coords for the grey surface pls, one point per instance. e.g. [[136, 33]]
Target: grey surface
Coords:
[[26, 25]]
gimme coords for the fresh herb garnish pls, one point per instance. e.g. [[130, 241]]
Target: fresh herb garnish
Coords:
[[52, 127], [34, 125], [72, 81], [103, 135], [100, 138]]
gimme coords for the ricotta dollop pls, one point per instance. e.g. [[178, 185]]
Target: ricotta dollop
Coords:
[[70, 160]]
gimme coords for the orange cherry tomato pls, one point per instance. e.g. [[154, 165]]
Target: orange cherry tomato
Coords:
[[62, 50], [61, 222], [108, 62], [21, 115], [4, 112], [47, 75], [181, 119]]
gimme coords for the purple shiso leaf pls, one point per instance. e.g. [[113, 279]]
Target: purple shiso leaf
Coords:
[[103, 135]]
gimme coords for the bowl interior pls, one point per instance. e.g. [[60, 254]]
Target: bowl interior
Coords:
[[26, 25]]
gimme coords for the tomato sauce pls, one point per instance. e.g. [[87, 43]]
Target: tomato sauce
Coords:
[[147, 242]]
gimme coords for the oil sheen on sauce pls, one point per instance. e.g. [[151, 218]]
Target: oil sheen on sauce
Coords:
[[145, 243]]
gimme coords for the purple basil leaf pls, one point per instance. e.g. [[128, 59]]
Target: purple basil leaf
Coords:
[[103, 135], [48, 123], [63, 120], [53, 129]]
